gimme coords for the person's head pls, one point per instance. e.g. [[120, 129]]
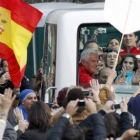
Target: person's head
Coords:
[[112, 124], [89, 59], [103, 75], [4, 65], [39, 116], [110, 58], [27, 98], [129, 61], [25, 84], [92, 44], [73, 93], [73, 133], [114, 43], [61, 95], [130, 40]]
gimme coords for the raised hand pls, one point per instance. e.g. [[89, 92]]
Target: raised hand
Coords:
[[121, 81], [23, 125], [123, 71], [90, 105], [6, 103], [123, 104], [95, 86], [72, 107], [136, 77], [108, 107], [113, 96], [7, 100], [128, 134], [18, 114], [5, 77]]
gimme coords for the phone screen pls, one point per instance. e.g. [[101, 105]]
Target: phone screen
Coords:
[[116, 106]]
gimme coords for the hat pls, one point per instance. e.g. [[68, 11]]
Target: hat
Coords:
[[25, 93]]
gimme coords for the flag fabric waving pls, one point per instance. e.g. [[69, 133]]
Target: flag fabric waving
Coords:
[[18, 21], [123, 14]]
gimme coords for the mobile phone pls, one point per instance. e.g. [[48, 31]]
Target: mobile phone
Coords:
[[116, 106], [81, 103]]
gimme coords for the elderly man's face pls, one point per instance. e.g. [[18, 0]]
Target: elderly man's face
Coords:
[[130, 40], [91, 63]]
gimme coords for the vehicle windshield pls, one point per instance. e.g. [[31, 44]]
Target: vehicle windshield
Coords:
[[104, 40]]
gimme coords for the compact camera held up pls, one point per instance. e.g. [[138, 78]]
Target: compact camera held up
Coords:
[[102, 30], [85, 31]]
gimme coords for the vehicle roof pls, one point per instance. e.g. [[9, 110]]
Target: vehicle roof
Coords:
[[48, 7], [78, 16]]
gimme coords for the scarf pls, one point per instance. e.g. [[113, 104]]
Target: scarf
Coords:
[[24, 112]]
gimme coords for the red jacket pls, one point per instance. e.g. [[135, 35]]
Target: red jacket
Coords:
[[84, 76], [133, 51]]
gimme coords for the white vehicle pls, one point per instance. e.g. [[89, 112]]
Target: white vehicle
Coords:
[[64, 31]]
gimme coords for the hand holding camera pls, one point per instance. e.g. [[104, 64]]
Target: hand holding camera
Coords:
[[108, 107], [90, 105], [123, 105], [72, 107]]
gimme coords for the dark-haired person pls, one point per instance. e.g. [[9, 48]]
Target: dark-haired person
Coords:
[[73, 94], [40, 122], [61, 130], [130, 45], [92, 44], [5, 79], [129, 66], [114, 44]]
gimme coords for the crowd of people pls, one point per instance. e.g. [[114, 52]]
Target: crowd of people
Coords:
[[84, 112], [125, 61]]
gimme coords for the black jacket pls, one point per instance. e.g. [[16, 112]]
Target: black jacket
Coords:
[[33, 135], [95, 120], [96, 123], [125, 122], [58, 130]]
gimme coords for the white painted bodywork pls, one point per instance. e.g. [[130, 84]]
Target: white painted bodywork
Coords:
[[67, 22], [46, 8]]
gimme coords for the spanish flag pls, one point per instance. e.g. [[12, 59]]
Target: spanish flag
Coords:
[[18, 21]]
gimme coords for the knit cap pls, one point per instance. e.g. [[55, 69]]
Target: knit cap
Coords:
[[25, 93]]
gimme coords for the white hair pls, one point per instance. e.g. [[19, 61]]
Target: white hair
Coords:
[[86, 53]]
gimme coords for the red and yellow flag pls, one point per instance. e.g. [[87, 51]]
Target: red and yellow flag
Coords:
[[18, 21]]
